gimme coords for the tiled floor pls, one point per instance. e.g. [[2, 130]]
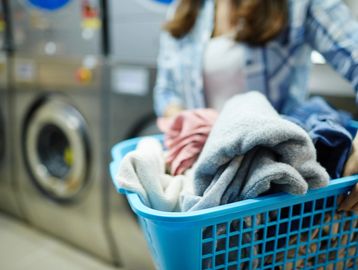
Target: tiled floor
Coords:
[[22, 248]]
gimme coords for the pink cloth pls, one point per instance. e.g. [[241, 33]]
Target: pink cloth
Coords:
[[185, 136]]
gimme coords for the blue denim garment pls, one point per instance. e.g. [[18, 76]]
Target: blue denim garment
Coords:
[[326, 127], [279, 70]]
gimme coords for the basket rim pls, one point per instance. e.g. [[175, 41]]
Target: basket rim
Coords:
[[241, 208]]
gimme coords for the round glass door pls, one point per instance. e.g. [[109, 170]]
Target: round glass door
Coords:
[[57, 150], [54, 151]]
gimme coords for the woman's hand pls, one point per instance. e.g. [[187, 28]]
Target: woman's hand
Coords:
[[351, 202], [351, 166]]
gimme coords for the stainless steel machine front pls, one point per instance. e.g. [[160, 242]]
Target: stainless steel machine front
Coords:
[[42, 28], [61, 82], [83, 77], [58, 151], [58, 101], [9, 197]]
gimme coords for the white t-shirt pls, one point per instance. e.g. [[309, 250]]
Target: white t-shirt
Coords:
[[224, 62]]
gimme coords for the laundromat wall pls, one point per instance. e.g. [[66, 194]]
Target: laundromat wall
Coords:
[[76, 76]]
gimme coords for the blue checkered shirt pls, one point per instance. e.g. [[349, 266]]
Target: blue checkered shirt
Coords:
[[280, 69]]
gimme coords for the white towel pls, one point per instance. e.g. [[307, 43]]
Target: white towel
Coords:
[[143, 171]]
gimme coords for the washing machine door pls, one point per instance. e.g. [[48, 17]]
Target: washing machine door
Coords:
[[56, 149]]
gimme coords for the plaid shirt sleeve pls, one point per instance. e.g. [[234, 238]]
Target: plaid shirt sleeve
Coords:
[[166, 90], [332, 31]]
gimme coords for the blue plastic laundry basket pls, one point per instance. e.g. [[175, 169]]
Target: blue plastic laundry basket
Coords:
[[279, 231]]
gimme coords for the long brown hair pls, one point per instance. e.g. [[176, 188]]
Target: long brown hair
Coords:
[[260, 20]]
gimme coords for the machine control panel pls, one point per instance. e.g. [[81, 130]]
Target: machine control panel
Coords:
[[66, 28]]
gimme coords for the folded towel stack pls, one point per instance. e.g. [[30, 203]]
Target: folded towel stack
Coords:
[[252, 150]]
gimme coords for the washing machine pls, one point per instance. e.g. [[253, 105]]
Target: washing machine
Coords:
[[61, 79], [134, 29], [58, 104], [129, 115], [9, 199], [58, 157]]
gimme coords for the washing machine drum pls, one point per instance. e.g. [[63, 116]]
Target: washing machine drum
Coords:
[[56, 149]]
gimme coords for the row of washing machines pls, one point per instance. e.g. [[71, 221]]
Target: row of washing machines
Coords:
[[75, 78]]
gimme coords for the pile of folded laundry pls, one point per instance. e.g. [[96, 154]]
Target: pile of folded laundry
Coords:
[[248, 149], [208, 159]]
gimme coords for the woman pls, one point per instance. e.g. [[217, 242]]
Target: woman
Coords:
[[239, 45]]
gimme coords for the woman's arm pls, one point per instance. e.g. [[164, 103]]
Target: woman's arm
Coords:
[[332, 30], [166, 96], [351, 167]]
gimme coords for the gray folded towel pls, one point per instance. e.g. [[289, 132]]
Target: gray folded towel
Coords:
[[250, 151]]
